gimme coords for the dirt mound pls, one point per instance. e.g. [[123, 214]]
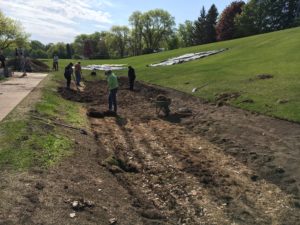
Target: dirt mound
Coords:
[[225, 97], [264, 76], [32, 65], [92, 112], [75, 95]]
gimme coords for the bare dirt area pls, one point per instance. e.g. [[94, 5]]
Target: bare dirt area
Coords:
[[220, 165]]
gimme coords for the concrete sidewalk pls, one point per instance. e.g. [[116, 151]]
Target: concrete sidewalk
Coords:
[[14, 90]]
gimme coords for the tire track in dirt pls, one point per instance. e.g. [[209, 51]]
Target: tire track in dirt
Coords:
[[227, 180], [171, 193], [269, 146], [178, 166]]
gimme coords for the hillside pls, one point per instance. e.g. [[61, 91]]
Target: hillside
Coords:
[[64, 159], [235, 70]]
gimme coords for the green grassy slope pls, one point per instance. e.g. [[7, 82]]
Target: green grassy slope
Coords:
[[26, 142], [276, 53]]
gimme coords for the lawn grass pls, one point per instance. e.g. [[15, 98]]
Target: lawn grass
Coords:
[[234, 70], [27, 143], [54, 106]]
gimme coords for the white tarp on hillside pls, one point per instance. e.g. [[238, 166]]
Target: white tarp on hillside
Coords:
[[187, 58], [105, 67]]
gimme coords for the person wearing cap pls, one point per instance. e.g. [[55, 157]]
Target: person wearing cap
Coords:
[[112, 83]]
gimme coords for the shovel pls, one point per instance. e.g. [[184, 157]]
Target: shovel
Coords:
[[197, 88], [75, 82]]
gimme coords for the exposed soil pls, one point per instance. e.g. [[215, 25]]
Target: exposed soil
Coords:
[[220, 165]]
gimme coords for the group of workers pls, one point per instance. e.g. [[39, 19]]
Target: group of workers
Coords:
[[69, 72], [112, 82], [20, 65]]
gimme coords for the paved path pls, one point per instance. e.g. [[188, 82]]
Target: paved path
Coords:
[[13, 91]]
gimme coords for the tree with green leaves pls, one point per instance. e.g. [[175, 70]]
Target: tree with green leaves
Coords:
[[11, 33], [37, 50], [211, 22], [173, 41], [158, 25], [103, 50], [136, 40], [249, 22], [87, 49], [69, 51], [120, 37], [260, 16], [101, 45], [78, 45], [199, 35], [185, 33], [58, 49]]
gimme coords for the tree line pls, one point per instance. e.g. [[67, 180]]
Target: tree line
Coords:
[[155, 30]]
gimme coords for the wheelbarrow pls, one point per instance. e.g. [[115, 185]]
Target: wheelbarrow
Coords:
[[162, 106]]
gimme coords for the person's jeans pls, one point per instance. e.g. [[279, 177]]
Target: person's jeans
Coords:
[[68, 78], [78, 78], [112, 99], [55, 65], [131, 84]]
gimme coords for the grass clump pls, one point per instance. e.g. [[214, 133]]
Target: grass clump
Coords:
[[26, 144]]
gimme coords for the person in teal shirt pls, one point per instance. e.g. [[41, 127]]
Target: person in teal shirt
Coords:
[[112, 82]]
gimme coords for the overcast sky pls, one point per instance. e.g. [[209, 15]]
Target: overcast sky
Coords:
[[61, 20]]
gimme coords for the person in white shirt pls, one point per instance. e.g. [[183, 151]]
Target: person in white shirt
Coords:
[[55, 62]]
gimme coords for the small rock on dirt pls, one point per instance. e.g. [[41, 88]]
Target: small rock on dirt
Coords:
[[79, 205], [72, 215], [185, 110], [113, 221]]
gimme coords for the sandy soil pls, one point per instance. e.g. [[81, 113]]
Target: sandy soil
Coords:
[[219, 166]]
